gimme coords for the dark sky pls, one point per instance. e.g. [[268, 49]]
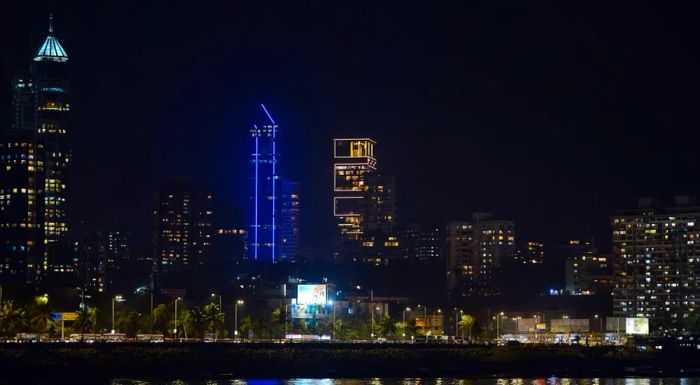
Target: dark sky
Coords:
[[552, 117]]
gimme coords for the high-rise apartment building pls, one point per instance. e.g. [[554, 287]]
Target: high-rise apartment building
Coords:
[[354, 160], [21, 206], [35, 154], [475, 251], [422, 242], [586, 272], [118, 250], [289, 228], [532, 253], [183, 227], [379, 239], [656, 259], [263, 215]]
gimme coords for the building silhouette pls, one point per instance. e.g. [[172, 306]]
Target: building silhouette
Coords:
[[656, 250], [36, 154], [289, 223], [183, 229], [353, 161], [475, 252], [263, 217]]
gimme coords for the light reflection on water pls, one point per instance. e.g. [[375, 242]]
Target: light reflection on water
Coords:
[[425, 381]]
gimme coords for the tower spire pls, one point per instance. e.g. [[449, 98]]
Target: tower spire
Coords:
[[50, 23]]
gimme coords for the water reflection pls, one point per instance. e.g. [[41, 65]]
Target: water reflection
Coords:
[[424, 381]]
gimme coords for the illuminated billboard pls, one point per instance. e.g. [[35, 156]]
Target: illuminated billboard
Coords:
[[637, 326], [312, 295]]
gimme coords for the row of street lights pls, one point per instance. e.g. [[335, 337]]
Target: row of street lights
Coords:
[[120, 298]]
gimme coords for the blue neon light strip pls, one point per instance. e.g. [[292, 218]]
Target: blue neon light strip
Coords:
[[255, 247], [274, 196], [269, 117]]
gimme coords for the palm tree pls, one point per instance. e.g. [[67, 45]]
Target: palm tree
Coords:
[[87, 321], [12, 319], [213, 317], [467, 321], [195, 321], [247, 325], [128, 321], [387, 327], [40, 320], [161, 318]]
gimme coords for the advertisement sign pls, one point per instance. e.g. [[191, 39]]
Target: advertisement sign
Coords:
[[312, 295], [637, 326]]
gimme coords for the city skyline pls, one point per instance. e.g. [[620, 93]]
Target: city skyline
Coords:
[[447, 188], [566, 181]]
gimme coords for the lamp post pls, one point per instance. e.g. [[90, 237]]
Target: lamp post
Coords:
[[439, 311], [217, 295], [235, 316], [498, 329], [82, 297], [286, 313], [117, 298], [600, 323], [403, 321], [220, 311], [332, 303], [425, 320], [175, 330], [372, 334], [457, 317]]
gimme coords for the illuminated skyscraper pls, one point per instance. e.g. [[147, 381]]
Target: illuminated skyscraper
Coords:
[[263, 235], [475, 251], [289, 229], [35, 156], [183, 227], [354, 160], [656, 255], [21, 206], [49, 72]]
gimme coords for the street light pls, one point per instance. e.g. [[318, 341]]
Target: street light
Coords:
[[332, 303], [286, 314], [235, 331], [175, 330], [117, 298], [404, 321], [82, 297], [498, 330], [425, 320], [373, 309], [217, 295], [221, 310]]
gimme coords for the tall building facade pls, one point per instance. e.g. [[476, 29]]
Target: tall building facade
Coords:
[[354, 161], [656, 255], [586, 272], [183, 229], [21, 206], [532, 253], [36, 155], [422, 242], [289, 223], [263, 234], [476, 250]]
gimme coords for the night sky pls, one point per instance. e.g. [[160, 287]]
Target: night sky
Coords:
[[552, 117]]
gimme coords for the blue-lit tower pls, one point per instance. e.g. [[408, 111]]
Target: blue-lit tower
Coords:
[[263, 217]]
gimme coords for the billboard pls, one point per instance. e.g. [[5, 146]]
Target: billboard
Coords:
[[637, 326], [312, 295]]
